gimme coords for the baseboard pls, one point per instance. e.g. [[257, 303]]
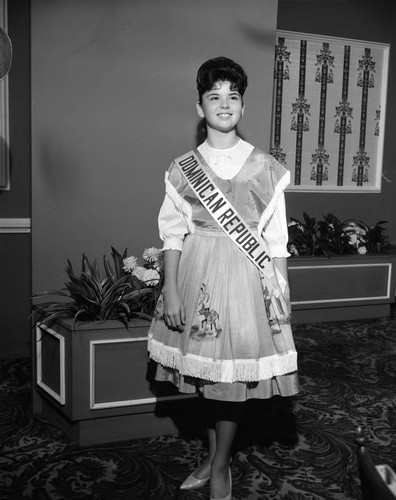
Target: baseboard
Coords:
[[15, 225]]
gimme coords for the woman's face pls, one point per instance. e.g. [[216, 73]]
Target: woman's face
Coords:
[[222, 107]]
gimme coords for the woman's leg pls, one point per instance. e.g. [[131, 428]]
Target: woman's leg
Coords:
[[203, 470], [208, 411], [227, 420], [221, 419]]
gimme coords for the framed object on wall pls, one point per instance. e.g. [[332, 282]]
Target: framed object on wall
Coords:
[[5, 62], [329, 105]]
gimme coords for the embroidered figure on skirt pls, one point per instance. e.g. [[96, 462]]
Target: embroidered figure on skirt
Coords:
[[209, 317]]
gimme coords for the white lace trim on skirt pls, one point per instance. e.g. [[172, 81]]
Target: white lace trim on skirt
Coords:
[[237, 370]]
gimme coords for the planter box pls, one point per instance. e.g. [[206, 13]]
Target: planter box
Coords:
[[341, 287], [96, 384]]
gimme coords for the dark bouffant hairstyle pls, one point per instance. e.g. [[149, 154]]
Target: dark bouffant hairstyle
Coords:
[[220, 69]]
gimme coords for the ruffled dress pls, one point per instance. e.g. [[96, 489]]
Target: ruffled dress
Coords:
[[228, 350]]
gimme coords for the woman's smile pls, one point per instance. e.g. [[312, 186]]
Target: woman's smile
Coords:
[[224, 115]]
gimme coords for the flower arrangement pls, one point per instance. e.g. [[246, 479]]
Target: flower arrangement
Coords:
[[331, 236], [127, 290]]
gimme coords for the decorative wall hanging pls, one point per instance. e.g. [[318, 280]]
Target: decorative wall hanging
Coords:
[[328, 119], [5, 63]]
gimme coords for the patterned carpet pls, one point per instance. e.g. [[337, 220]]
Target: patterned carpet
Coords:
[[293, 449]]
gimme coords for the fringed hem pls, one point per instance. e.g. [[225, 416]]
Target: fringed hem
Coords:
[[238, 370], [269, 210], [181, 205]]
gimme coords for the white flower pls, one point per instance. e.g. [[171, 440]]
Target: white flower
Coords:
[[295, 223], [139, 272], [151, 254], [362, 250], [353, 239], [151, 277], [293, 250], [129, 264], [352, 227], [158, 266]]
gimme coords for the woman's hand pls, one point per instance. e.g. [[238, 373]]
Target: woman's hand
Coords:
[[174, 312]]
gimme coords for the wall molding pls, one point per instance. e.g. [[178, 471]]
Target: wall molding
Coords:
[[126, 402], [4, 114], [15, 225]]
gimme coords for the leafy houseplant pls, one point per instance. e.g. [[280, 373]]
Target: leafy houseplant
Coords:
[[82, 356], [127, 290], [331, 236]]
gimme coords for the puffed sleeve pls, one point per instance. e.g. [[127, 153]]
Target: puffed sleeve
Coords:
[[174, 220], [276, 233]]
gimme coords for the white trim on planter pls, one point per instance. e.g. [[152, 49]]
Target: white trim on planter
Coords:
[[61, 398], [351, 299], [15, 225], [127, 402]]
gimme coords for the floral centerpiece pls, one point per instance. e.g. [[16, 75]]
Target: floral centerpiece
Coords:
[[331, 236], [127, 289]]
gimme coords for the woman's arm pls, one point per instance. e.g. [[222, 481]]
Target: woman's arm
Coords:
[[276, 236], [174, 312], [173, 226], [280, 264]]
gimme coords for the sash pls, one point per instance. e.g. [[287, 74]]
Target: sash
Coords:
[[233, 225]]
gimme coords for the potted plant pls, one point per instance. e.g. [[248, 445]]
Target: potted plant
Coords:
[[331, 236], [339, 269], [90, 357], [128, 290]]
